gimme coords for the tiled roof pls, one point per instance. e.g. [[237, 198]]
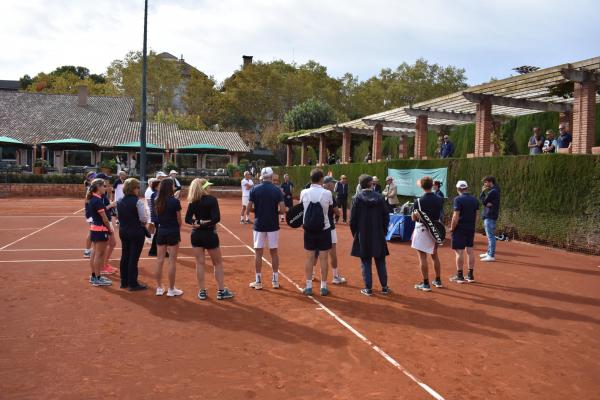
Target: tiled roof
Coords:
[[10, 85], [37, 117]]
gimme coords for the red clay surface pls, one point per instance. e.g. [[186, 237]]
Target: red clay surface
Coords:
[[528, 329]]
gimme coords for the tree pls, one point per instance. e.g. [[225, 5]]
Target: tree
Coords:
[[312, 113], [202, 99], [164, 76], [66, 79]]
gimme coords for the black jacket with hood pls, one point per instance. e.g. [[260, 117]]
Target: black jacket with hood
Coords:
[[369, 221]]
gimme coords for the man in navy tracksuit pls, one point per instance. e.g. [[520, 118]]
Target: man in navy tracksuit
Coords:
[[490, 199], [341, 197]]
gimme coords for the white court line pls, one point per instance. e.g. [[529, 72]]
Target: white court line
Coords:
[[116, 248], [18, 229], [112, 259], [346, 325], [39, 230]]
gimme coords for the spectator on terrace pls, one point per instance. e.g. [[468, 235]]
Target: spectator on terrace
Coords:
[[447, 148], [564, 139], [536, 142], [376, 185], [549, 143], [368, 157]]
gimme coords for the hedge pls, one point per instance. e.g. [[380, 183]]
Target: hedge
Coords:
[[548, 199], [74, 178]]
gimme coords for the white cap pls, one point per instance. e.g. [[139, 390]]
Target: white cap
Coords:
[[462, 185], [173, 172], [160, 174], [267, 171]]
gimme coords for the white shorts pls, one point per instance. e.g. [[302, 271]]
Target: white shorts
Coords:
[[261, 237], [245, 200], [422, 239], [333, 236]]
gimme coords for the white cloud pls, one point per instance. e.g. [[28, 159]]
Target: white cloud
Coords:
[[487, 38]]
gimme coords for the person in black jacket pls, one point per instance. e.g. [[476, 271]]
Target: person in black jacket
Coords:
[[204, 215], [369, 221], [341, 197], [132, 218], [490, 199]]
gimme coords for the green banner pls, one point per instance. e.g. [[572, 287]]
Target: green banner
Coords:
[[406, 179]]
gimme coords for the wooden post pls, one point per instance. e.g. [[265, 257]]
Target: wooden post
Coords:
[[289, 154], [402, 146], [303, 154]]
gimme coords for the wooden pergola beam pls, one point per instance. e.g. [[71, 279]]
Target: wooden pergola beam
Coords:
[[437, 114], [369, 132], [390, 124], [518, 103], [580, 75]]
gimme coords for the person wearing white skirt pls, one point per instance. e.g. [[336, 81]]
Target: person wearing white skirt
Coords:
[[422, 240]]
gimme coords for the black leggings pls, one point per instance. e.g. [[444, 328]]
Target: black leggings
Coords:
[[132, 244]]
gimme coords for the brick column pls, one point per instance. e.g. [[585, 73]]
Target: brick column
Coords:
[[346, 144], [584, 117], [421, 137], [322, 150], [303, 154], [289, 153], [402, 146], [377, 138], [484, 127]]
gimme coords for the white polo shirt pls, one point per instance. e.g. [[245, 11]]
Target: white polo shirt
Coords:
[[316, 193], [246, 192]]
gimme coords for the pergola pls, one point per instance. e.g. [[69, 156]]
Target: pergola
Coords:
[[569, 89], [331, 133]]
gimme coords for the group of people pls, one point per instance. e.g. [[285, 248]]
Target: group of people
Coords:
[[538, 144], [324, 202], [157, 216]]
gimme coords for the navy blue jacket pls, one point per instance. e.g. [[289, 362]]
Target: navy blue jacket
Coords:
[[447, 150], [493, 197]]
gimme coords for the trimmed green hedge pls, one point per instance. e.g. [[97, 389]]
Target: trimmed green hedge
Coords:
[[549, 199], [59, 178]]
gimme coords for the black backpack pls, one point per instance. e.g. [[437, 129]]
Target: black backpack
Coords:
[[313, 217]]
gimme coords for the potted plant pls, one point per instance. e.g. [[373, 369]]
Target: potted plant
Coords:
[[169, 165], [232, 170], [108, 167], [39, 165]]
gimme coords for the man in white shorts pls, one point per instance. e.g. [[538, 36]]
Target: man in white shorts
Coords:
[[266, 200], [247, 184]]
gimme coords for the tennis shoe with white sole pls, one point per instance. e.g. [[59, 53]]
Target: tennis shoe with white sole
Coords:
[[255, 285], [423, 286], [488, 258], [174, 292], [275, 284], [224, 294], [482, 255], [160, 291], [338, 280]]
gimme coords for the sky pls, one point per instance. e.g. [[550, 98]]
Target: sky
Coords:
[[485, 37]]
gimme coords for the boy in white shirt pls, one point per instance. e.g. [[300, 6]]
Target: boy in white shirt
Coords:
[[247, 184]]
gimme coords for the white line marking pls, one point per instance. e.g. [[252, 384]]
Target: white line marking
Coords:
[[112, 259], [18, 229], [356, 333], [32, 233], [116, 248]]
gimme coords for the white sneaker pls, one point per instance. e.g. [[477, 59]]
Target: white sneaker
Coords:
[[483, 255], [87, 253], [488, 259], [338, 280], [160, 291], [256, 285], [275, 284], [174, 292]]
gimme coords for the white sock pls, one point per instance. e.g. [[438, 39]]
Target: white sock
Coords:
[[323, 285], [88, 250], [258, 277], [275, 276], [335, 272], [309, 284]]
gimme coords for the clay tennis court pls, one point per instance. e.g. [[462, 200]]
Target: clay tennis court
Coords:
[[528, 329]]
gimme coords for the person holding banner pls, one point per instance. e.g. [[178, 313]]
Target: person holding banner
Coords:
[[427, 208]]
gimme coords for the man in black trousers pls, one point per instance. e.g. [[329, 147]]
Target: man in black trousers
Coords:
[[369, 219], [341, 196]]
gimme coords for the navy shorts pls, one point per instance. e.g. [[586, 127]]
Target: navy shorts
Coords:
[[167, 239], [317, 240], [205, 238], [462, 239], [96, 236]]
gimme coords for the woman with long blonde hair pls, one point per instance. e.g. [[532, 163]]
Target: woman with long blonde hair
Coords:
[[204, 215]]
